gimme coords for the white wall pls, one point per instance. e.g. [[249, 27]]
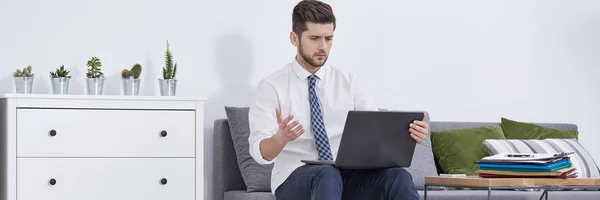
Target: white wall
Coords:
[[462, 60]]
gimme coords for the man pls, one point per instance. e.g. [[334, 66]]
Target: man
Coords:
[[299, 113]]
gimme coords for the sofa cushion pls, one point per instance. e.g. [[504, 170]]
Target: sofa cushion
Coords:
[[456, 151], [257, 177], [521, 130], [581, 159]]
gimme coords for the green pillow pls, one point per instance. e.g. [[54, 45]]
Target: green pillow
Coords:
[[456, 151], [521, 130]]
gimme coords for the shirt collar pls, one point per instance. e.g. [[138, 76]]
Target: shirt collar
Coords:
[[303, 74]]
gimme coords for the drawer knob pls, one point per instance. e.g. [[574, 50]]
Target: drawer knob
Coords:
[[163, 181], [52, 181], [52, 132], [163, 133]]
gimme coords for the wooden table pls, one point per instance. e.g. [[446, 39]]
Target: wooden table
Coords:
[[512, 183]]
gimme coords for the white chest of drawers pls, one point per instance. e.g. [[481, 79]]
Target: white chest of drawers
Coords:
[[76, 147]]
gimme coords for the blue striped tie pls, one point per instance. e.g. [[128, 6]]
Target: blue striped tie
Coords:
[[317, 124]]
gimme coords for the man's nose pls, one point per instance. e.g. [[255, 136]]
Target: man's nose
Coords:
[[322, 44]]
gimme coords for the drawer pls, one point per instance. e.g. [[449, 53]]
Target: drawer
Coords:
[[105, 178], [105, 133]]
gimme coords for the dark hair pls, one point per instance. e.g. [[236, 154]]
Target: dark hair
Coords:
[[311, 11]]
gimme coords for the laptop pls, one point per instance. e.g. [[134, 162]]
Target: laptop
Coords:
[[374, 140]]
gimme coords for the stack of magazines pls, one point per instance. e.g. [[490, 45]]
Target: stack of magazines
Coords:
[[527, 165]]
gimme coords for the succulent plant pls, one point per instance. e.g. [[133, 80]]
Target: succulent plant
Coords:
[[26, 72], [60, 72], [94, 70], [134, 72], [170, 69]]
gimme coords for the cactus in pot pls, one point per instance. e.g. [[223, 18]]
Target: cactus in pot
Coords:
[[137, 70], [168, 83], [126, 74], [24, 80], [131, 80], [60, 80], [26, 72]]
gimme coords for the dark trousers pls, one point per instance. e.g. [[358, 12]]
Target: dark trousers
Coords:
[[316, 182]]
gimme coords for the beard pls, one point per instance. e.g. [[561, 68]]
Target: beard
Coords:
[[312, 62]]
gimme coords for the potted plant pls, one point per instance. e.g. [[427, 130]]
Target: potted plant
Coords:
[[131, 80], [23, 80], [168, 82], [95, 77], [60, 80]]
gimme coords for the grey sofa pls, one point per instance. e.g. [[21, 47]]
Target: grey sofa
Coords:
[[229, 185]]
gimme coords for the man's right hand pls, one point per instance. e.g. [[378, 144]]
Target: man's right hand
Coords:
[[287, 131]]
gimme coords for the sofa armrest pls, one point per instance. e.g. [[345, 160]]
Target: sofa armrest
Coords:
[[227, 175]]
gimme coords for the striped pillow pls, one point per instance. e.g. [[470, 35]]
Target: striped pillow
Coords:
[[581, 159]]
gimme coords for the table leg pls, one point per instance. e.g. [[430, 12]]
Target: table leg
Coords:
[[489, 193], [544, 194], [425, 192]]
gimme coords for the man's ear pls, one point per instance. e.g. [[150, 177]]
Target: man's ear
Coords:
[[294, 38]]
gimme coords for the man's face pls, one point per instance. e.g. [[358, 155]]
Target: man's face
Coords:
[[315, 43]]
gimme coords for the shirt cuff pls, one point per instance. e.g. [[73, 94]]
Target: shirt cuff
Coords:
[[255, 151]]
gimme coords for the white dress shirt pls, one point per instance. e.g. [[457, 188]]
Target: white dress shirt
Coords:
[[287, 89]]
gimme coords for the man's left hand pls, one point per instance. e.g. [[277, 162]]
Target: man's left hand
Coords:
[[419, 130]]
